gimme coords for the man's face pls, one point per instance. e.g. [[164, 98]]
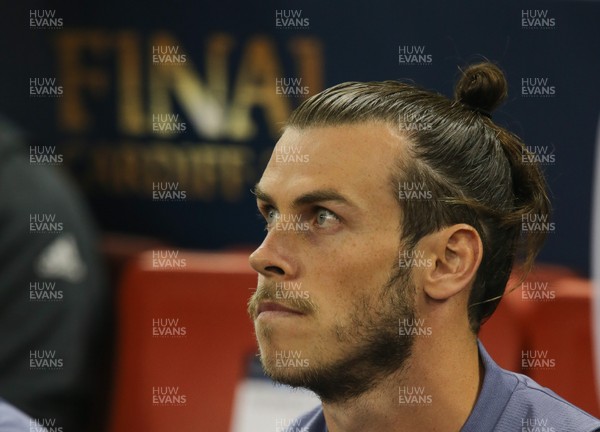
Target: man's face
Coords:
[[330, 294]]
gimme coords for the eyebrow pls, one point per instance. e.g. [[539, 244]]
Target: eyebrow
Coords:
[[312, 197]]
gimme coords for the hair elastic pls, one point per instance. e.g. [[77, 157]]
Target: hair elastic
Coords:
[[482, 112]]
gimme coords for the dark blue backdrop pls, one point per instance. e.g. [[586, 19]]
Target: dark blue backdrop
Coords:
[[224, 93]]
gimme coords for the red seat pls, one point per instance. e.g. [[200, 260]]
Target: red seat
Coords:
[[506, 334], [562, 328], [541, 277], [200, 368], [503, 337]]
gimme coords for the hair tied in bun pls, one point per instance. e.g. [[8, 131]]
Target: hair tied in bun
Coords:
[[482, 87]]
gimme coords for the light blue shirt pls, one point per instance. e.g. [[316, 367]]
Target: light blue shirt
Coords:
[[508, 402], [13, 420]]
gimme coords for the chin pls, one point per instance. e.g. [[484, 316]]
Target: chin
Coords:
[[283, 364], [292, 373]]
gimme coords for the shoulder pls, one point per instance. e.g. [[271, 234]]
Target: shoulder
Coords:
[[510, 401], [533, 407], [13, 420], [312, 421]]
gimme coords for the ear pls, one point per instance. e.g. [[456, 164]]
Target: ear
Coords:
[[456, 254]]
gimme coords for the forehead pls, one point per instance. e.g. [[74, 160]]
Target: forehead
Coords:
[[355, 160]]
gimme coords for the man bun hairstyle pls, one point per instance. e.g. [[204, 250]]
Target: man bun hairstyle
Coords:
[[482, 87], [477, 172]]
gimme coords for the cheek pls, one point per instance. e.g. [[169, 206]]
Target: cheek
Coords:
[[352, 272]]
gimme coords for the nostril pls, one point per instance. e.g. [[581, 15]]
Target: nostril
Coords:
[[275, 269]]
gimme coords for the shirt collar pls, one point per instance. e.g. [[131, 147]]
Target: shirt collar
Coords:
[[496, 391]]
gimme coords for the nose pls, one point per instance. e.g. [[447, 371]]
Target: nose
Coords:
[[273, 259]]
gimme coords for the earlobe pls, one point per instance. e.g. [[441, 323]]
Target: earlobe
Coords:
[[456, 253]]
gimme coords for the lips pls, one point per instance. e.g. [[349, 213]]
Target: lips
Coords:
[[269, 306]]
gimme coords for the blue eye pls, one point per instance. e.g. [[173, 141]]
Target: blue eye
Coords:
[[271, 214], [325, 216]]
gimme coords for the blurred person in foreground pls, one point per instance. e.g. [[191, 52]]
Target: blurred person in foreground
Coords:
[[54, 302], [388, 244]]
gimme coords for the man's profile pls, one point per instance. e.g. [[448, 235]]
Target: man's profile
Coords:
[[388, 244]]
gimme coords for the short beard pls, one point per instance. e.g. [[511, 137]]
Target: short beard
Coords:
[[377, 349]]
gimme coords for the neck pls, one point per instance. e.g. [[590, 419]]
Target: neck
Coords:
[[435, 391]]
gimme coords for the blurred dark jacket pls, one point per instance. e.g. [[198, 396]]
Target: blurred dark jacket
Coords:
[[55, 307]]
